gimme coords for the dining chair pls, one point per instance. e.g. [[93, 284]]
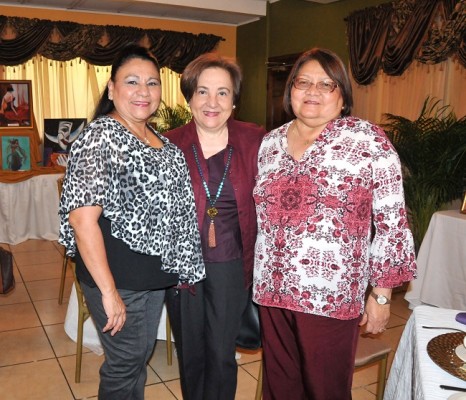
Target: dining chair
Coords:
[[66, 259], [83, 315], [369, 351], [168, 331]]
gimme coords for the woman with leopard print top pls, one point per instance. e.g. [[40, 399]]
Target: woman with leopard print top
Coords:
[[128, 216]]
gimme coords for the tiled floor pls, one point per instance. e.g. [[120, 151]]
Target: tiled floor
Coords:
[[37, 358]]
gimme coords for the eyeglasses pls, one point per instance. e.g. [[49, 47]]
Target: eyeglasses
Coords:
[[321, 86]]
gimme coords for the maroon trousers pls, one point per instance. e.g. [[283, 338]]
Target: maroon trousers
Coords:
[[307, 357]]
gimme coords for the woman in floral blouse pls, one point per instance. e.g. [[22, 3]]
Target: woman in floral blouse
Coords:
[[331, 220]]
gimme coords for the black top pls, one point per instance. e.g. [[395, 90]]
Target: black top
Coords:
[[131, 270]]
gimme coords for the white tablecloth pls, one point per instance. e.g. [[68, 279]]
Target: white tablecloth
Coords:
[[413, 375], [441, 263], [29, 209], [90, 337]]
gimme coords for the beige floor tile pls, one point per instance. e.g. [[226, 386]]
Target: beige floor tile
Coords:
[[33, 245], [38, 257], [34, 381], [50, 312], [18, 316], [175, 388], [365, 375], [246, 387], [90, 365], [17, 273], [58, 246], [18, 295], [33, 343], [158, 392], [61, 343], [252, 368], [395, 320], [158, 363], [248, 356], [362, 394], [48, 288], [40, 272]]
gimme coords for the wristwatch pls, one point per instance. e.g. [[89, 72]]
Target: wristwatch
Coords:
[[381, 299]]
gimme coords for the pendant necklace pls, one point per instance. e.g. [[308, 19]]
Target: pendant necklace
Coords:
[[145, 139], [306, 141], [212, 211]]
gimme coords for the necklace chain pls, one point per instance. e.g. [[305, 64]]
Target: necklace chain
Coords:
[[307, 142], [212, 211], [144, 138]]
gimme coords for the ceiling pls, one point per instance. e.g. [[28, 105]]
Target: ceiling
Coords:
[[229, 12]]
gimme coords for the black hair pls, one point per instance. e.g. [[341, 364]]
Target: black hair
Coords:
[[334, 68], [128, 53]]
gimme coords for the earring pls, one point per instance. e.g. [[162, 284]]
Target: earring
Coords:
[[234, 106]]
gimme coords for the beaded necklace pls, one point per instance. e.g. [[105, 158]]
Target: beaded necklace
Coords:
[[212, 211]]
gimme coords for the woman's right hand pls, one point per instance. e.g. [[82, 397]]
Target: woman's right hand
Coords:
[[115, 310], [84, 221]]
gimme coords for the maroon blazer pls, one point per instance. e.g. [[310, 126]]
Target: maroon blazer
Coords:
[[245, 138]]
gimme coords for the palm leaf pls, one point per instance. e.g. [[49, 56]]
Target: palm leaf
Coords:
[[432, 150], [168, 118]]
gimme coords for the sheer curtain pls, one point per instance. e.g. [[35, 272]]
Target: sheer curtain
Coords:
[[404, 95], [71, 89]]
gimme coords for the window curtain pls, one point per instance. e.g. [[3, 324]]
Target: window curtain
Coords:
[[24, 38], [404, 95], [391, 36], [405, 51], [71, 89]]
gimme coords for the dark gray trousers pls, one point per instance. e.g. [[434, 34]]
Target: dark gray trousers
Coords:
[[205, 326], [123, 374]]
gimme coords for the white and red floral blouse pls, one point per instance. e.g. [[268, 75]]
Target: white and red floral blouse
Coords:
[[331, 222]]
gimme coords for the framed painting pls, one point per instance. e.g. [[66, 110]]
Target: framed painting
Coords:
[[16, 153], [16, 104], [59, 134]]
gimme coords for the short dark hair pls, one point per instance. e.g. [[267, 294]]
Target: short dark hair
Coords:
[[190, 76], [127, 53], [334, 68]]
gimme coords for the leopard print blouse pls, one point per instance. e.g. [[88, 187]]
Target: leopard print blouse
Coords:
[[145, 192]]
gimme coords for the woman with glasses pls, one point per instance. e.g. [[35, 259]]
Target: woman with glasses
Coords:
[[331, 220]]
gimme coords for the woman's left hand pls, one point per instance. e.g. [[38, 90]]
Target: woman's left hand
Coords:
[[375, 316]]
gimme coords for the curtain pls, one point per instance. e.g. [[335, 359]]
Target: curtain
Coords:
[[71, 89], [404, 95], [24, 38], [391, 36]]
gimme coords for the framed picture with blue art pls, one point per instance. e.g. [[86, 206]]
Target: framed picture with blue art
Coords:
[[59, 135], [16, 153]]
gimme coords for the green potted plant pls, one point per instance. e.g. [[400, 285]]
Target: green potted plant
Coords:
[[432, 151], [167, 117]]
